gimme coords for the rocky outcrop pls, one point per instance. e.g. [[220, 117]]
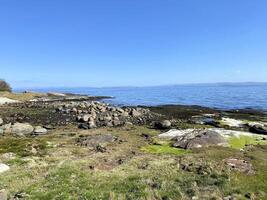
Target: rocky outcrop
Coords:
[[199, 139]]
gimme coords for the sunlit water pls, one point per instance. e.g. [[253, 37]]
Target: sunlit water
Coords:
[[227, 96]]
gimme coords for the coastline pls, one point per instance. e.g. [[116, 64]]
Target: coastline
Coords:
[[76, 139]]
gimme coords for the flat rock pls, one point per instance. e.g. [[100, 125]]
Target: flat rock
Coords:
[[199, 139], [95, 140], [5, 100], [39, 130], [3, 168]]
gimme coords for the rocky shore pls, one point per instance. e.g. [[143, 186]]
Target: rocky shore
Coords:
[[206, 150]]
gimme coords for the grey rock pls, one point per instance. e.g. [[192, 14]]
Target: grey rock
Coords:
[[258, 129], [21, 129], [199, 139], [38, 130], [95, 140]]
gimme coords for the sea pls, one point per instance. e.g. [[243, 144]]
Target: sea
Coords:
[[222, 96]]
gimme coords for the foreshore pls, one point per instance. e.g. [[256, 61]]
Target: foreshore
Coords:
[[91, 149]]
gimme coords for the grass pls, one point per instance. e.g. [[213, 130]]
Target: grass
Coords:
[[152, 172], [20, 96], [242, 141], [163, 149]]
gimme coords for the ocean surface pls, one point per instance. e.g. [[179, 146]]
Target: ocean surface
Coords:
[[223, 96]]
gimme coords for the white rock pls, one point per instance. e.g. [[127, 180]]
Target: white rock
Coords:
[[5, 100], [232, 122], [3, 168], [174, 133]]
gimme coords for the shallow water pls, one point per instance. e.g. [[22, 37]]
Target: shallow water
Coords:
[[223, 96]]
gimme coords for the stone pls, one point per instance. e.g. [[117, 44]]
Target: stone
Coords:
[[116, 122], [239, 165], [83, 126], [21, 129], [95, 140], [258, 129], [3, 168], [1, 121], [128, 123], [85, 118], [166, 124], [1, 131], [232, 122], [91, 125], [135, 113], [3, 194], [199, 139], [38, 130], [174, 133]]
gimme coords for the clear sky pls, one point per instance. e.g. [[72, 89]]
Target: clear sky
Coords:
[[132, 42]]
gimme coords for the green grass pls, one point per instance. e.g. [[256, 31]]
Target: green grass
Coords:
[[163, 149], [242, 141]]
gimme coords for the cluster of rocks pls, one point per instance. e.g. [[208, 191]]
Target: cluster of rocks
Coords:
[[21, 129], [97, 114]]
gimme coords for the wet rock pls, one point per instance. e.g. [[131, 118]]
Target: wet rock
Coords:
[[239, 165], [199, 139], [3, 194], [21, 129], [3, 168], [38, 130]]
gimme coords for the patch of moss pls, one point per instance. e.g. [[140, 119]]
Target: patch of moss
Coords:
[[242, 141], [163, 149]]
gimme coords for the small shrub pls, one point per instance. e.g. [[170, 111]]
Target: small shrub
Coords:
[[4, 86]]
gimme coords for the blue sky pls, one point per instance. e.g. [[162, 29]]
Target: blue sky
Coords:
[[132, 42]]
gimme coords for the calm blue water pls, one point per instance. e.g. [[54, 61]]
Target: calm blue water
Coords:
[[227, 96]]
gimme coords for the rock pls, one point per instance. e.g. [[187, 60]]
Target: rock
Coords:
[[3, 194], [199, 139], [116, 122], [56, 94], [239, 165], [83, 126], [85, 118], [258, 129], [5, 100], [128, 123], [6, 128], [174, 133], [49, 127], [135, 113], [3, 168], [232, 122], [1, 121], [91, 125], [165, 124], [1, 131], [95, 140], [38, 130], [21, 129]]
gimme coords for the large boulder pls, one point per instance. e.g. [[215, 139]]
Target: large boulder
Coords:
[[21, 129], [199, 139]]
